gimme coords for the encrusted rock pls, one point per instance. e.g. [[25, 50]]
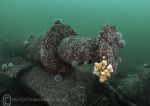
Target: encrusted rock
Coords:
[[74, 90], [59, 48], [136, 88]]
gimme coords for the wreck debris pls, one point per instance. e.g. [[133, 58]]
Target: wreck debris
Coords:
[[60, 48]]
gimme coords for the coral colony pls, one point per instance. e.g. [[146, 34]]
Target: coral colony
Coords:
[[59, 50], [103, 70]]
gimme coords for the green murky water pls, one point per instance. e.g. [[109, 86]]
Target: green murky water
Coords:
[[20, 18]]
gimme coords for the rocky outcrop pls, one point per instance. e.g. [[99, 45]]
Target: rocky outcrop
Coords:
[[59, 48], [75, 89], [54, 75], [57, 90], [136, 87]]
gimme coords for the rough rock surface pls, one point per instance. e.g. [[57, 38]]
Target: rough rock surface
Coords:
[[59, 48], [44, 48], [87, 50], [109, 45], [72, 90], [78, 88], [136, 88], [75, 89], [18, 64], [13, 72], [80, 50], [60, 52], [9, 84]]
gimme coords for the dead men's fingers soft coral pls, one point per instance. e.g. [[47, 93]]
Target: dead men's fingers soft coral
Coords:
[[103, 70]]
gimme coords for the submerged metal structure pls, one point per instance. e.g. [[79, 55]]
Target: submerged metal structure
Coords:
[[60, 49]]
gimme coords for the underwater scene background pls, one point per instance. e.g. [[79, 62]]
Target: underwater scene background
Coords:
[[21, 18]]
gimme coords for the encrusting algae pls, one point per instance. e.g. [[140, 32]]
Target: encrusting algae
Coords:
[[103, 69]]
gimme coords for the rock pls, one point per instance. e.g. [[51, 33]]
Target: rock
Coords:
[[8, 90], [69, 91], [13, 72], [10, 86], [15, 61], [44, 48], [74, 89], [126, 86], [136, 88], [60, 49], [62, 81]]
